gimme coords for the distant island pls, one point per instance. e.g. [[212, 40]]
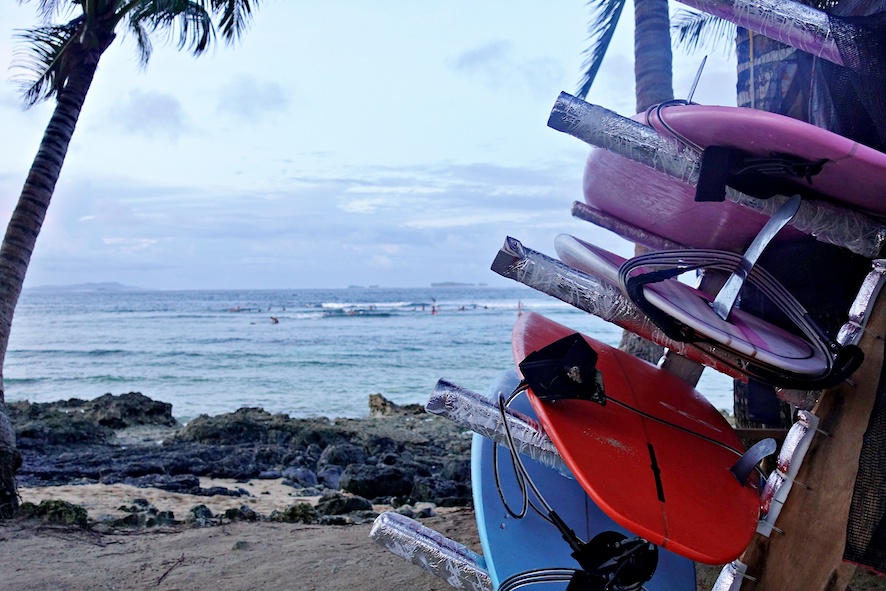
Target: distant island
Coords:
[[457, 284], [103, 286]]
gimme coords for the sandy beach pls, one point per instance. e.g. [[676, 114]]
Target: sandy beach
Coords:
[[238, 556], [233, 557], [106, 473]]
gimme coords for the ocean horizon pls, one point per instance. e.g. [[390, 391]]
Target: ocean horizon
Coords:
[[303, 352]]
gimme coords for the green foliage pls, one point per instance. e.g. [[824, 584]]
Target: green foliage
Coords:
[[48, 54], [600, 31], [54, 511], [298, 513]]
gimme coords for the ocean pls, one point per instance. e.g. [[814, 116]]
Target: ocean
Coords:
[[306, 353]]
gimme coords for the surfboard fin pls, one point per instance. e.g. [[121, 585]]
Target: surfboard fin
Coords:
[[565, 369], [754, 455]]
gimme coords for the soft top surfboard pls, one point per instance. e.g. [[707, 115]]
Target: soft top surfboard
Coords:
[[661, 470], [851, 173], [513, 546]]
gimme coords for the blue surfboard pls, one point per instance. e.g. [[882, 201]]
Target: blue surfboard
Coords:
[[512, 546]]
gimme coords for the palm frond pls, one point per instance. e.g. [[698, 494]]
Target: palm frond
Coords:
[[692, 30], [235, 16], [188, 19], [600, 31], [49, 10], [42, 57]]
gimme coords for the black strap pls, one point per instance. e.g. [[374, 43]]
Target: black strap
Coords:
[[758, 176]]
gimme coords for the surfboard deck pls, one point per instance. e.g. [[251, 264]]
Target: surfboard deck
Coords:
[[743, 333], [657, 481], [661, 205], [853, 174], [512, 546]]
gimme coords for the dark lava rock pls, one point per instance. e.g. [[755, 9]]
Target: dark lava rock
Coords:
[[432, 488], [62, 443], [38, 425], [375, 481], [243, 513], [255, 425], [458, 470], [201, 515], [342, 454], [301, 477], [339, 504], [379, 406], [129, 410], [330, 477]]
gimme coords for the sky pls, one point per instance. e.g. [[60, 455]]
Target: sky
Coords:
[[340, 143]]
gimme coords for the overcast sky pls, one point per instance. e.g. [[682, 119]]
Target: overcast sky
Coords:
[[341, 143]]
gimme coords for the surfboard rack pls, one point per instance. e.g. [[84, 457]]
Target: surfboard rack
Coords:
[[731, 577], [599, 297], [430, 550], [800, 26], [780, 480], [627, 231], [482, 416], [602, 299]]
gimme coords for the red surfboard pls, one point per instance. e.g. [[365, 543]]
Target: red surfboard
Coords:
[[660, 468]]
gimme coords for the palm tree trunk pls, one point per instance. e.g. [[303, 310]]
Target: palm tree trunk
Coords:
[[21, 236], [653, 84], [653, 62]]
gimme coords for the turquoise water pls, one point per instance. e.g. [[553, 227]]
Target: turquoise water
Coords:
[[216, 351]]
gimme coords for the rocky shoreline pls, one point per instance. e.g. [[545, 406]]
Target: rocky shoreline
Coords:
[[400, 456]]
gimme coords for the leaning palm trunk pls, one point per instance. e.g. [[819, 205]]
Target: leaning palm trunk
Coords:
[[653, 84], [21, 236]]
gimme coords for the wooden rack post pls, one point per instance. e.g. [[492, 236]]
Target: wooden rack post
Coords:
[[809, 554]]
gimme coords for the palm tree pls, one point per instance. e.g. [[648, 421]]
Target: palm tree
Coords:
[[59, 61], [653, 72], [653, 84]]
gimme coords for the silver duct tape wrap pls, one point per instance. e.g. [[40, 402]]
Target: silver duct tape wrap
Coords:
[[861, 309], [792, 23], [731, 576], [606, 129], [622, 228], [790, 458], [602, 299], [456, 564], [793, 446], [828, 223], [802, 399], [481, 415]]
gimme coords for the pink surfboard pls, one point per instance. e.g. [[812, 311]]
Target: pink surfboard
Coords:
[[657, 203], [853, 174], [661, 470], [745, 334]]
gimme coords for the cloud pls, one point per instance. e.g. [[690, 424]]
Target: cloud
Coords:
[[498, 66], [248, 98], [130, 244], [151, 114]]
